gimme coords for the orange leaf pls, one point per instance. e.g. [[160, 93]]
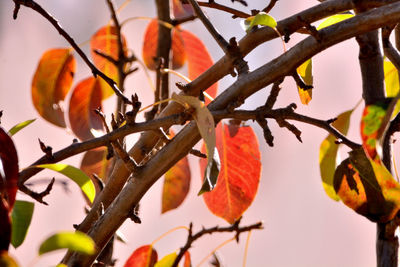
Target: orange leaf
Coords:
[[145, 256], [181, 10], [199, 60], [85, 98], [51, 83], [240, 172], [105, 40], [187, 262], [149, 51], [176, 184]]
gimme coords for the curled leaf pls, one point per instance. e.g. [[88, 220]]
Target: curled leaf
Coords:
[[51, 83], [85, 98], [15, 129], [261, 18], [75, 241], [206, 125], [76, 175], [240, 172], [328, 154], [145, 256]]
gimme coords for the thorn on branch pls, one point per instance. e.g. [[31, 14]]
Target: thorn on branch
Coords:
[[299, 81], [310, 29], [183, 87], [48, 150], [271, 5], [273, 95], [131, 115], [102, 117], [38, 196], [269, 139], [330, 121], [197, 153], [134, 215], [16, 10], [284, 124]]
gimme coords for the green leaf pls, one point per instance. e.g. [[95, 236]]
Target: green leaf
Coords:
[[76, 241], [391, 83], [21, 219], [20, 126], [333, 20], [75, 174], [167, 260], [328, 154], [205, 123], [261, 18]]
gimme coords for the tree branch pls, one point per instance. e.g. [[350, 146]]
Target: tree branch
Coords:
[[236, 13]]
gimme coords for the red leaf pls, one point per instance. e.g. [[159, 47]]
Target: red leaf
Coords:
[[181, 10], [187, 262], [105, 40], [149, 51], [51, 83], [85, 98], [176, 184], [8, 186], [8, 169], [145, 256], [199, 60], [240, 172]]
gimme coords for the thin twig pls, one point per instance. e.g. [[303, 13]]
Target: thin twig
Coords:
[[37, 196], [96, 72], [236, 13], [270, 6], [390, 52], [208, 231]]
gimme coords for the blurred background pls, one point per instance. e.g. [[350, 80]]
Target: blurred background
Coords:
[[303, 226]]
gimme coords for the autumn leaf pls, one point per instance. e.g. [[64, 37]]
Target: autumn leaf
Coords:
[[150, 41], [51, 83], [334, 19], [199, 59], [305, 72], [391, 83], [176, 184], [240, 172], [167, 260], [367, 187], [105, 40], [145, 256], [206, 125], [85, 98], [328, 154], [95, 162], [6, 260]]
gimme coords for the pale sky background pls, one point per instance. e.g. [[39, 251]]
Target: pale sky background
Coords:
[[303, 227]]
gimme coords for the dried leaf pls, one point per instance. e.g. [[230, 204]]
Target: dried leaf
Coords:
[[328, 154], [145, 256], [176, 185], [240, 172], [205, 123], [105, 40], [51, 83], [85, 98]]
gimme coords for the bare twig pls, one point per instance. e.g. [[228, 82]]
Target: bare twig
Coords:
[[208, 231], [236, 13], [38, 196], [96, 72], [270, 6], [273, 95]]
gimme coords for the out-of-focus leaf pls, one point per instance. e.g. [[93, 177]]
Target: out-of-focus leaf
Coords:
[[6, 260], [149, 51], [15, 129], [95, 162], [167, 260], [21, 219], [5, 224], [305, 72], [176, 184], [51, 83], [8, 169], [240, 172], [188, 261], [328, 154], [145, 256], [75, 241], [181, 10], [205, 123], [367, 187], [105, 40], [391, 83], [76, 175], [85, 98], [199, 59], [261, 18], [333, 20]]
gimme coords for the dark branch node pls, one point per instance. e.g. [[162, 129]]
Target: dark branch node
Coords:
[[38, 196], [134, 215], [197, 153], [310, 29], [48, 150]]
